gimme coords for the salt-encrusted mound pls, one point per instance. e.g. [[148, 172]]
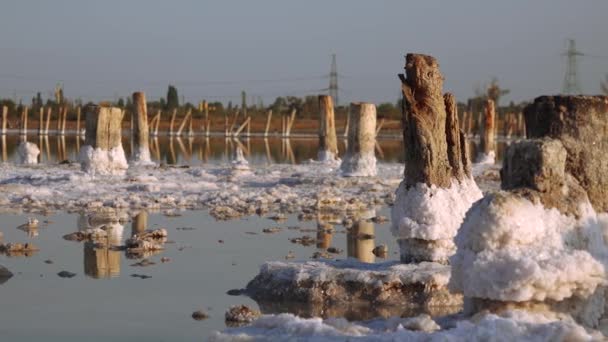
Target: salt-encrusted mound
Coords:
[[484, 159], [348, 281], [28, 153], [326, 156], [510, 249], [425, 215], [359, 165], [513, 325], [97, 161], [141, 157]]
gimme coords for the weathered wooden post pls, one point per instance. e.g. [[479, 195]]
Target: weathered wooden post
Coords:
[[49, 111], [234, 120], [289, 123], [140, 223], [64, 118], [173, 114], [488, 136], [379, 127], [187, 117], [268, 119], [24, 121], [207, 120], [437, 169], [328, 142], [238, 131], [59, 115], [41, 122], [4, 120], [225, 124], [141, 148], [283, 125], [360, 158], [346, 126], [78, 132], [102, 153], [190, 131], [154, 124]]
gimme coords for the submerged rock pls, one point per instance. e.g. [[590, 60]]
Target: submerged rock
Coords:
[[199, 315], [5, 274], [18, 249], [66, 274]]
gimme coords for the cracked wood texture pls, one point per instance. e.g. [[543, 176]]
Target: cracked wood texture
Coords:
[[103, 127], [434, 151]]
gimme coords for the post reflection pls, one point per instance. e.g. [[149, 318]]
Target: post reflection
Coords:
[[324, 234], [102, 257], [360, 241]]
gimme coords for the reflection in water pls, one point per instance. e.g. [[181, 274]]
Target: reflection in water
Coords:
[[4, 154], [176, 150], [360, 241], [30, 230], [324, 235], [102, 258]]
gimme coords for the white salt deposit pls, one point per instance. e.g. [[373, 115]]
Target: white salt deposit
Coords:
[[273, 188], [359, 165], [141, 157], [483, 158], [510, 249], [432, 213], [28, 153], [96, 161], [326, 156], [359, 272], [513, 325]]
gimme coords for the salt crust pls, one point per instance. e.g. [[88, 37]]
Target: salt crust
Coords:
[[432, 213], [353, 270], [510, 249], [358, 165], [28, 153], [512, 325], [96, 161]]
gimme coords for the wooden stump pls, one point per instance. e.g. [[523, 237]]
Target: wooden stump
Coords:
[[140, 132], [360, 158], [328, 141], [424, 126], [103, 153], [581, 124], [4, 118], [139, 224], [488, 145], [437, 166]]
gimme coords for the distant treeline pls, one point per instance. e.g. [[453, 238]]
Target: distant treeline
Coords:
[[306, 107]]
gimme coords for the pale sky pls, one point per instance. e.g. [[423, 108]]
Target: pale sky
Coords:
[[101, 50]]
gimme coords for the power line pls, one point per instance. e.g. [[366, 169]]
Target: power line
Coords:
[[571, 83], [333, 80]]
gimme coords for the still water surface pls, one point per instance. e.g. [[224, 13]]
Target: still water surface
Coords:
[[194, 151], [103, 301]]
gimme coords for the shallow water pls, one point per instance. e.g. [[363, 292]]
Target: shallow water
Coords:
[[197, 150], [104, 301]]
